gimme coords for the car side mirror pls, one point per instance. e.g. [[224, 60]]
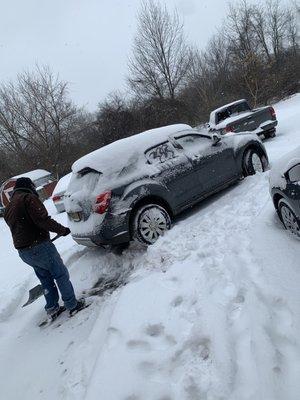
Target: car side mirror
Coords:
[[216, 138]]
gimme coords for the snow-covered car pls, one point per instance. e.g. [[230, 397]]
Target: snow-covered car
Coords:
[[285, 190], [132, 188], [59, 192], [239, 117]]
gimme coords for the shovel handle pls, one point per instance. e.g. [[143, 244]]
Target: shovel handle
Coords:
[[55, 237]]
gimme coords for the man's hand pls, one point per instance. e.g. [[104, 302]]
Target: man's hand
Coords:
[[67, 232]]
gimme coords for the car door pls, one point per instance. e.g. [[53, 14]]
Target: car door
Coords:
[[172, 169], [213, 165]]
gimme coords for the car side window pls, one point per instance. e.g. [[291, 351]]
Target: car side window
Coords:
[[193, 142], [221, 115], [161, 153], [294, 173]]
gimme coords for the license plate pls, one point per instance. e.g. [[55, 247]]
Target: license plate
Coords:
[[75, 216]]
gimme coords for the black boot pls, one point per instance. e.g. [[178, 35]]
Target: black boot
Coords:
[[79, 306]]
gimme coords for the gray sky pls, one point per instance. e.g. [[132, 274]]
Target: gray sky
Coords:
[[87, 41]]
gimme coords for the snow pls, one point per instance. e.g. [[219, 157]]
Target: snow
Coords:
[[34, 175], [114, 156], [210, 311], [62, 185]]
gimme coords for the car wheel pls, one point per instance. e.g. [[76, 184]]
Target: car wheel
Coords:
[[150, 222], [254, 162], [289, 219]]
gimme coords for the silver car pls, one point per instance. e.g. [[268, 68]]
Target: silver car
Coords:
[[59, 192]]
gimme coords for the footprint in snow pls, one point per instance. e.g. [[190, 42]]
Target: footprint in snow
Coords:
[[148, 368], [155, 330], [132, 397], [177, 301], [196, 346], [113, 337], [138, 345]]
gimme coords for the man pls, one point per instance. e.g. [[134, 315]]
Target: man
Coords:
[[30, 225]]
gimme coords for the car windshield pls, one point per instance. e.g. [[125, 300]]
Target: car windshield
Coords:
[[230, 111]]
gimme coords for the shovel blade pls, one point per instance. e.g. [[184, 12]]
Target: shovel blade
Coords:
[[34, 294]]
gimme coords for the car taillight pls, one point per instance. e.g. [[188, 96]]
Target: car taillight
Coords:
[[272, 112], [228, 129], [56, 198], [102, 202]]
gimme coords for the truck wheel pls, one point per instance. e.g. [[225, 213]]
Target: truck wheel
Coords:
[[253, 162], [149, 223]]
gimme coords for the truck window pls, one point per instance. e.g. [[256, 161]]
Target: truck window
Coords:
[[230, 111]]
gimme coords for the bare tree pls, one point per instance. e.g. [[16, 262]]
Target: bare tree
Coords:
[[160, 58], [37, 120]]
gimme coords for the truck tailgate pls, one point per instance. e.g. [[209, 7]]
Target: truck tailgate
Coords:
[[253, 121]]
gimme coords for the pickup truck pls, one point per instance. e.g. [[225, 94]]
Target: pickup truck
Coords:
[[239, 117]]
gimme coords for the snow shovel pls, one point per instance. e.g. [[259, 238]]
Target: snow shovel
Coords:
[[36, 291]]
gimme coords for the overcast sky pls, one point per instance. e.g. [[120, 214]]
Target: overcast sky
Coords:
[[87, 41]]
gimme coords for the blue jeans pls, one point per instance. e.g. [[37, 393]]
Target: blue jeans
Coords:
[[49, 267]]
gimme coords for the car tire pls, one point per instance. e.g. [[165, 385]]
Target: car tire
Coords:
[[254, 162], [288, 218], [150, 221]]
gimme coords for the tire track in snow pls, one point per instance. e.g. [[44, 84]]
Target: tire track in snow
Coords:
[[208, 363], [218, 238]]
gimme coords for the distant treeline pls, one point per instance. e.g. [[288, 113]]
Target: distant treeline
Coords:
[[255, 55]]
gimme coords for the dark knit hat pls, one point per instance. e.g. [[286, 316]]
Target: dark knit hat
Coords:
[[25, 185]]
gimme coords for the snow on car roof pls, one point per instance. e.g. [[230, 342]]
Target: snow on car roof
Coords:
[[62, 184], [282, 166], [33, 175], [117, 154]]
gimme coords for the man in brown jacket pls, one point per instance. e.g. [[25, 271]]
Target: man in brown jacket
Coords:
[[30, 225]]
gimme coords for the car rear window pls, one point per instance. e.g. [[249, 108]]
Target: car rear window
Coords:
[[86, 179]]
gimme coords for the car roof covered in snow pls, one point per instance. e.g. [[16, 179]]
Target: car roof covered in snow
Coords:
[[33, 175], [117, 154]]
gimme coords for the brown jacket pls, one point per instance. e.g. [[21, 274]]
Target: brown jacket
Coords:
[[29, 221]]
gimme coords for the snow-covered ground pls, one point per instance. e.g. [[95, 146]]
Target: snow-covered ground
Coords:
[[211, 311]]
